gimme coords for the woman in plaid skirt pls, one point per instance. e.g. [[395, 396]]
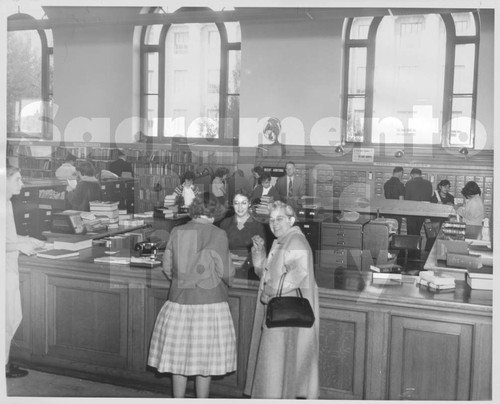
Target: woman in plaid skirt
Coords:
[[194, 332]]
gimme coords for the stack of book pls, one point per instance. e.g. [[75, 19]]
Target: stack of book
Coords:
[[73, 243], [262, 208], [386, 274], [436, 281], [106, 211], [454, 230], [480, 278], [92, 223]]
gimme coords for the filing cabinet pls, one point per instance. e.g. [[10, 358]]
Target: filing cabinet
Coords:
[[342, 244]]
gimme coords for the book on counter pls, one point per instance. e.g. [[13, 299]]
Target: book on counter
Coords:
[[103, 205], [57, 253], [480, 278], [73, 243], [436, 281]]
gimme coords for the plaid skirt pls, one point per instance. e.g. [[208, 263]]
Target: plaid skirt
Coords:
[[193, 339]]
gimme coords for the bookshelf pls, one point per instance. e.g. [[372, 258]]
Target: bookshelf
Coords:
[[157, 168]]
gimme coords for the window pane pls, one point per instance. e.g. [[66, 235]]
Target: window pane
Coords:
[[152, 61], [181, 42], [460, 134], [464, 69], [360, 27], [409, 79], [151, 106], [50, 40], [355, 119], [153, 34], [192, 78], [232, 124], [464, 24], [233, 31], [24, 107], [234, 69], [357, 71]]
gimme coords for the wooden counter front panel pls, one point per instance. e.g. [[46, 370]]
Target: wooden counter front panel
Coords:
[[87, 321], [430, 360], [342, 353], [22, 339]]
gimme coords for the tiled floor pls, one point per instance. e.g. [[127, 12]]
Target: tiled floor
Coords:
[[40, 384]]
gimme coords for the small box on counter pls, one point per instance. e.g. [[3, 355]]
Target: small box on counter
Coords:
[[444, 247]]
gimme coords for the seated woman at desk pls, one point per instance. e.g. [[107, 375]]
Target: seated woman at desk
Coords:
[[87, 188], [473, 210], [442, 194], [241, 227], [265, 189], [187, 191]]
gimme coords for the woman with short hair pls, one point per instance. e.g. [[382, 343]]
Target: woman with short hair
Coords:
[[283, 361], [194, 332], [473, 209]]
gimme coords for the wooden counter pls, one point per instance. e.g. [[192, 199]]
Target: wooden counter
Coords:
[[376, 342]]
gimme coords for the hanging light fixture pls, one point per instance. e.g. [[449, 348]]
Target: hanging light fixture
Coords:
[[464, 151]]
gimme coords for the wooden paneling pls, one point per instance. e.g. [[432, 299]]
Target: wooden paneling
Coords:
[[22, 338], [87, 320], [430, 360], [342, 352]]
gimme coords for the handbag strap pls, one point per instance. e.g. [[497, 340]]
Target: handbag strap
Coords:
[[280, 287]]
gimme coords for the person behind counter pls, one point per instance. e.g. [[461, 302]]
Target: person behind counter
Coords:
[[194, 332], [240, 229], [219, 188], [186, 191], [121, 166], [256, 174], [87, 188], [417, 189], [67, 170], [442, 194], [473, 210], [265, 189], [14, 244], [283, 361], [395, 189], [290, 186]]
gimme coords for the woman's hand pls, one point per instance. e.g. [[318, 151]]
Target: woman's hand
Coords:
[[258, 244]]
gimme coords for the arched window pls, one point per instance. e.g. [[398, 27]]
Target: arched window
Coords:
[[190, 78], [29, 79], [411, 79]]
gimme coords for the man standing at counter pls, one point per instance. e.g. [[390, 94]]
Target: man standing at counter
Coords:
[[395, 189], [417, 189], [290, 187]]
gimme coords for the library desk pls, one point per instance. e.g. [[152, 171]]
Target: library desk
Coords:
[[388, 207], [376, 342]]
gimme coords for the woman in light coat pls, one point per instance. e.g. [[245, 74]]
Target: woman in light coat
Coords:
[[14, 245], [283, 361]]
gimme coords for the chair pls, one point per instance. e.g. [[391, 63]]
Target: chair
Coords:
[[408, 243]]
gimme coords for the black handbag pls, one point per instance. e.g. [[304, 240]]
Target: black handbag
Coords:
[[289, 311]]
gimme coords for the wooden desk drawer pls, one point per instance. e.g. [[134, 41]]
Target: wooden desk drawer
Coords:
[[336, 257], [341, 237]]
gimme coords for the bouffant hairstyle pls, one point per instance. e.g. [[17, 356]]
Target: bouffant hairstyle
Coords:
[[188, 175], [221, 171], [443, 183], [258, 170], [265, 176], [86, 168], [241, 192], [205, 204], [277, 205], [471, 189]]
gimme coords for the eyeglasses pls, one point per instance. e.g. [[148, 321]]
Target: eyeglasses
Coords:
[[279, 219], [241, 203]]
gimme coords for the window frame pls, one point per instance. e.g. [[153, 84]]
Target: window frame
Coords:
[[47, 52], [452, 41], [160, 48]]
